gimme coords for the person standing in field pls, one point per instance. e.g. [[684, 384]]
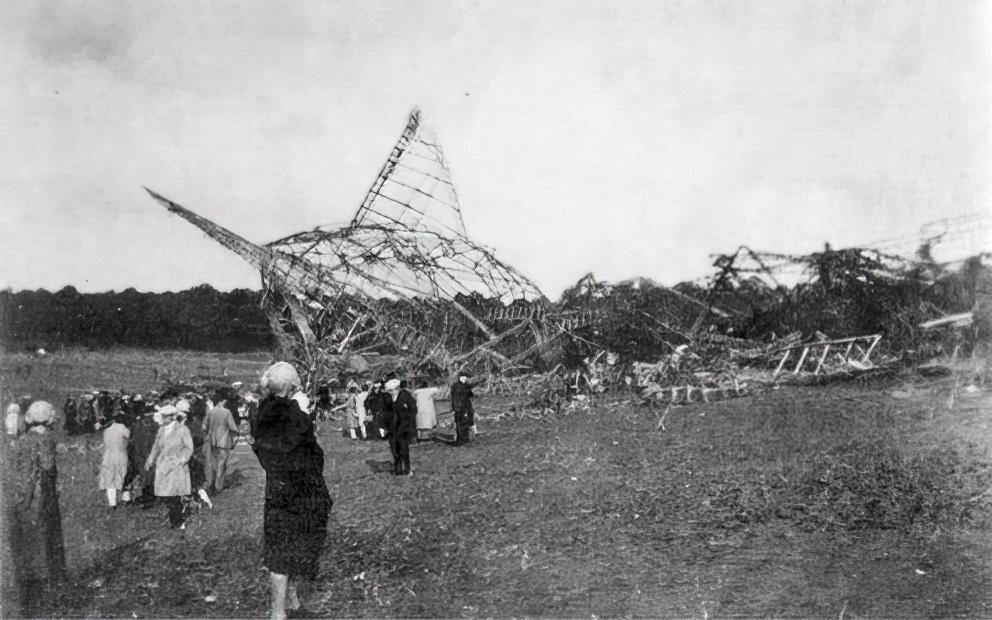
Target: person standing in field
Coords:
[[170, 456], [14, 423], [247, 415], [379, 405], [403, 425], [10, 596], [142, 439], [351, 412], [113, 470], [221, 429], [297, 502], [461, 404], [85, 416], [197, 468], [426, 412], [35, 519], [360, 412], [69, 415]]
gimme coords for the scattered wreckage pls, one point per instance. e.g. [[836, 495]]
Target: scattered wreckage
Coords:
[[404, 282]]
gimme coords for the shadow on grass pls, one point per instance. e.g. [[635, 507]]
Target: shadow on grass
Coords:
[[166, 576], [379, 467]]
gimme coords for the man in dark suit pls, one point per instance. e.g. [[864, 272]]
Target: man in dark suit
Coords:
[[461, 404], [403, 425], [379, 406]]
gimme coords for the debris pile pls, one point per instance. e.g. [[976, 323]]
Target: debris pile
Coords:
[[402, 281], [682, 377]]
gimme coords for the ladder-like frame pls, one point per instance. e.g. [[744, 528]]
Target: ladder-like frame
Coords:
[[856, 347]]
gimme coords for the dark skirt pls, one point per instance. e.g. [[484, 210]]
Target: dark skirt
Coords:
[[295, 524], [197, 473]]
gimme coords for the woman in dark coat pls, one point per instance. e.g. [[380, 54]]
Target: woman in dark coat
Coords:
[[297, 501], [35, 519], [197, 466]]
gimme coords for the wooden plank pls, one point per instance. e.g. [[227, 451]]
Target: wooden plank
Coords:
[[802, 359], [871, 348], [788, 352], [823, 357], [957, 320]]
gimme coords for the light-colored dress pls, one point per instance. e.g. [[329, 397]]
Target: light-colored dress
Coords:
[[114, 466], [170, 454], [350, 413], [360, 408], [426, 414]]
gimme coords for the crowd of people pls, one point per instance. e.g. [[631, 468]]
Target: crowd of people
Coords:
[[389, 409], [172, 450], [153, 454]]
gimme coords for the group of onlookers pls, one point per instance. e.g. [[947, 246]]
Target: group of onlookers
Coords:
[[389, 410], [93, 411], [164, 451], [168, 455]]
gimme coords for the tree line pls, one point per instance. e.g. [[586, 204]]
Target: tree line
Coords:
[[201, 318]]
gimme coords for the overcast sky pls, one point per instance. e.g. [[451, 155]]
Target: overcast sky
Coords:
[[624, 138]]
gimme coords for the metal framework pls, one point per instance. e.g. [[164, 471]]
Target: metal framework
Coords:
[[403, 277]]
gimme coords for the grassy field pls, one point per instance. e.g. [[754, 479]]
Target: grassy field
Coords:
[[58, 374], [852, 500]]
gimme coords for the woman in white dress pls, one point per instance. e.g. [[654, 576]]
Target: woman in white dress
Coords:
[[426, 413]]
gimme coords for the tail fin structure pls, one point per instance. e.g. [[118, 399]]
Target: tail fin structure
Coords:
[[414, 189]]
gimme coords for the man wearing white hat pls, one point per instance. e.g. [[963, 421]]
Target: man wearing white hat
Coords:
[[402, 425], [461, 403]]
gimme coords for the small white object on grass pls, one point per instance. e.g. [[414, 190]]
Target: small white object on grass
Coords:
[[921, 572]]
